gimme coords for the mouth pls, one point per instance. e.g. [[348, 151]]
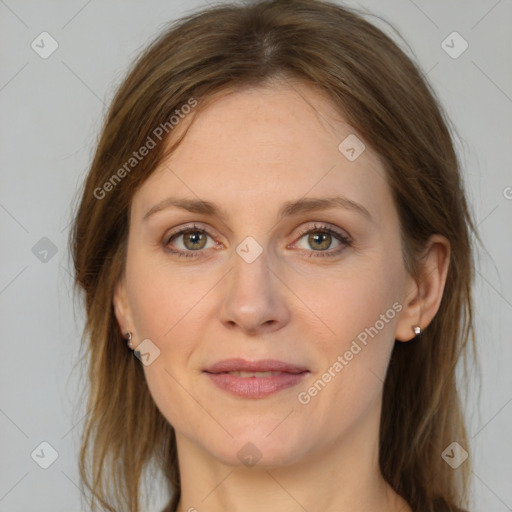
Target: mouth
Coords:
[[253, 374], [256, 379]]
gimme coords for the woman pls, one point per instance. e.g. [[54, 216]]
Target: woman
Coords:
[[275, 223]]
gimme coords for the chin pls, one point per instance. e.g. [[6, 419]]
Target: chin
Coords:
[[255, 447]]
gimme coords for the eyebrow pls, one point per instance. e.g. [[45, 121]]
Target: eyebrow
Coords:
[[289, 208]]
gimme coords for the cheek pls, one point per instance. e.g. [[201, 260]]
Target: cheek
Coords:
[[362, 312], [359, 309], [346, 302], [163, 301], [162, 297], [154, 310]]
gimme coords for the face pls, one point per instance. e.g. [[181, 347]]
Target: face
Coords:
[[265, 272]]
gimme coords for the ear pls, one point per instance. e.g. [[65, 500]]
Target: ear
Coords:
[[121, 307], [423, 294]]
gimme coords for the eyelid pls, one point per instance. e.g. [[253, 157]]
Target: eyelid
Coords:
[[194, 226], [325, 226]]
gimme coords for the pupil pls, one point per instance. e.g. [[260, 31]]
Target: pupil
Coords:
[[194, 238], [320, 239]]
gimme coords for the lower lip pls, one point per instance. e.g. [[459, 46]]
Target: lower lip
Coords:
[[255, 387]]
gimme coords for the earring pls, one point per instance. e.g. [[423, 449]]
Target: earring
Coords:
[[128, 338], [416, 329]]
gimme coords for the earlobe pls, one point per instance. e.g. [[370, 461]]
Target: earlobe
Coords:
[[424, 294], [411, 312]]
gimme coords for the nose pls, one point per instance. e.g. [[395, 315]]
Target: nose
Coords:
[[254, 298]]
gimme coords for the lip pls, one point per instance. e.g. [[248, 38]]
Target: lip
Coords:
[[288, 375], [263, 365]]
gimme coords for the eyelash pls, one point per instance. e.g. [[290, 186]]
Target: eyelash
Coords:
[[345, 241]]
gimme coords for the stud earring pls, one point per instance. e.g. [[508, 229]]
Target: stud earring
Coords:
[[128, 338], [416, 329]]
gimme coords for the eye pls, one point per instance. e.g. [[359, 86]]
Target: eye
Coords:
[[187, 241], [321, 237], [191, 241]]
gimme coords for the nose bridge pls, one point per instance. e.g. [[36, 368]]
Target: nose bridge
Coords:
[[251, 274], [252, 299]]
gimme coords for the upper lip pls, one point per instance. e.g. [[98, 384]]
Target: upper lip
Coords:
[[263, 365]]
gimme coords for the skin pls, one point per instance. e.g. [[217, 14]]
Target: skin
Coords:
[[249, 152]]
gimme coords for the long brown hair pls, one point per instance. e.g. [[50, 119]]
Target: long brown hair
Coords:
[[383, 95]]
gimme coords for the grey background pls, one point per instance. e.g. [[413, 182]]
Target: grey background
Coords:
[[51, 114]]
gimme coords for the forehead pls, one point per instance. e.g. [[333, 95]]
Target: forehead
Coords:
[[257, 145]]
